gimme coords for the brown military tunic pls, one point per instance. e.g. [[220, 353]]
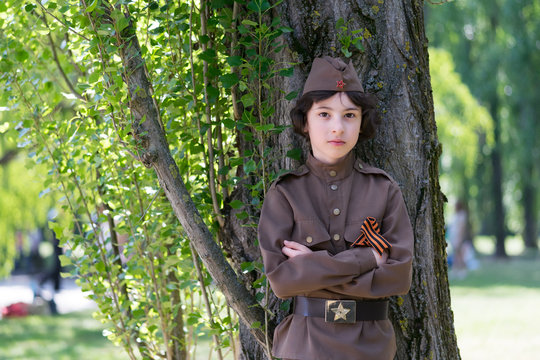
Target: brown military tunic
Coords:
[[323, 207]]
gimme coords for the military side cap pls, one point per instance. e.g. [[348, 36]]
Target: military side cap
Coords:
[[332, 74]]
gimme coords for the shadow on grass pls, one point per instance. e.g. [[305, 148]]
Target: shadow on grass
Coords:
[[516, 271]]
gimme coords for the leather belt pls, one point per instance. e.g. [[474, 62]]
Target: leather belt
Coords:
[[341, 311]]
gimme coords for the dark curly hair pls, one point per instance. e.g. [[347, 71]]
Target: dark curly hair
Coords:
[[367, 102]]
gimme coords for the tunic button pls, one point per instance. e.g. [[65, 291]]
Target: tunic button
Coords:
[[360, 165], [332, 173], [309, 239], [337, 211], [337, 237], [333, 187]]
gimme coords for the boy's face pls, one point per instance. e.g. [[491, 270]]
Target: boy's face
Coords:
[[333, 126]]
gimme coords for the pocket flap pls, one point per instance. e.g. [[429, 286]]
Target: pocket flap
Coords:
[[352, 232], [310, 233]]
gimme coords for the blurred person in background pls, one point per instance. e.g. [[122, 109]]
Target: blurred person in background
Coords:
[[459, 236]]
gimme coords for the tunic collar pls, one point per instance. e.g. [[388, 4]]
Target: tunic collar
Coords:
[[334, 172]]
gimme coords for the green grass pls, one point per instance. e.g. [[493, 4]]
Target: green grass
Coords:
[[74, 336], [496, 310], [62, 337]]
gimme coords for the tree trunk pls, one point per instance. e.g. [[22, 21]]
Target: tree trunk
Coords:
[[395, 67], [529, 160], [496, 162], [530, 232]]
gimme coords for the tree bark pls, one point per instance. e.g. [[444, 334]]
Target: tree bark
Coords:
[[395, 67]]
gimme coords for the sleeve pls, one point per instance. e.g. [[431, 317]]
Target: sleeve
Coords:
[[304, 273], [394, 277]]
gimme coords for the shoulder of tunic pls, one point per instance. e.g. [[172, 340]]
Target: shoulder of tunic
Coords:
[[367, 169], [300, 171]]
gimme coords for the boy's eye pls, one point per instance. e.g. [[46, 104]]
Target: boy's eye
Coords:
[[350, 115], [324, 114]]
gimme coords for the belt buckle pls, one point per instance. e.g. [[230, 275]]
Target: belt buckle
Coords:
[[340, 311]]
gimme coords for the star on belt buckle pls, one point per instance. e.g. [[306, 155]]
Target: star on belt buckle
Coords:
[[340, 311]]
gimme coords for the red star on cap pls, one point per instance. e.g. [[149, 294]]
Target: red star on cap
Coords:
[[340, 84]]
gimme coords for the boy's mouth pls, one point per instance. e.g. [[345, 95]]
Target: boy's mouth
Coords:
[[336, 142]]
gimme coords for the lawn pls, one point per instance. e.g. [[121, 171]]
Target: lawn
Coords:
[[63, 337], [496, 310], [73, 336]]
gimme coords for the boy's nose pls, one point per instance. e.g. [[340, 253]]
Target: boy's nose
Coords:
[[337, 126]]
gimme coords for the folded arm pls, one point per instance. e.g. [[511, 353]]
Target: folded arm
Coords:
[[291, 269]]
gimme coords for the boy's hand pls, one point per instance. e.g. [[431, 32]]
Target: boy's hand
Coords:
[[292, 249], [381, 259]]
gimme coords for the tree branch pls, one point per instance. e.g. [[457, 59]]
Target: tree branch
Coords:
[[60, 21], [57, 61]]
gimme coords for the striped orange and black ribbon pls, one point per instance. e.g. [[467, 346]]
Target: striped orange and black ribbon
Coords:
[[370, 236]]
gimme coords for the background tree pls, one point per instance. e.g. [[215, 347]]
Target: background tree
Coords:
[[199, 92], [23, 208], [462, 126], [493, 48]]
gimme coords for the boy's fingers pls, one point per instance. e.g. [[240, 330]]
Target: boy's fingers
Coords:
[[288, 251], [295, 245]]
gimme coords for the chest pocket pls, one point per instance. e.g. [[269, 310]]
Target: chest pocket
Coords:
[[312, 234], [352, 232]]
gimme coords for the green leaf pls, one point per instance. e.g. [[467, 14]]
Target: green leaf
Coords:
[[254, 6], [243, 215], [248, 100], [250, 166], [287, 72], [208, 55], [256, 325], [229, 123], [285, 29], [64, 260], [122, 23], [265, 127], [285, 306], [346, 52], [234, 60], [100, 266], [249, 23], [247, 267], [29, 7], [138, 313], [292, 95], [92, 6], [295, 154], [243, 30], [229, 80], [21, 55], [236, 204]]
